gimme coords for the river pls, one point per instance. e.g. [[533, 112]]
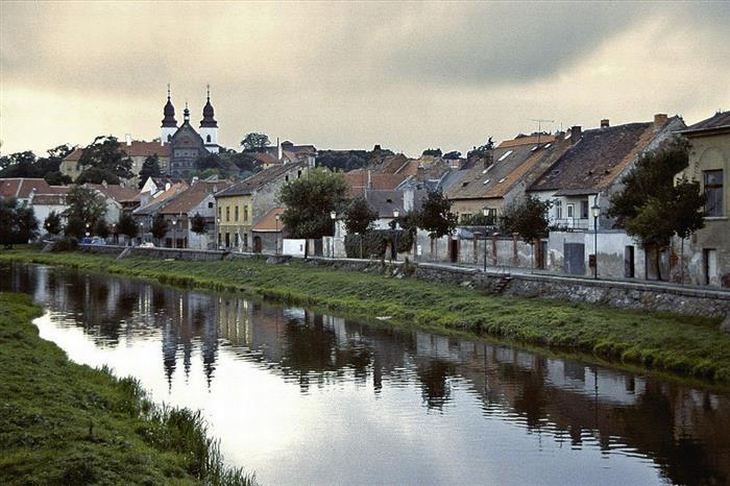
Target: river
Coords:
[[305, 398]]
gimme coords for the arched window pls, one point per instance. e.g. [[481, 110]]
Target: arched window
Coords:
[[169, 137], [207, 139]]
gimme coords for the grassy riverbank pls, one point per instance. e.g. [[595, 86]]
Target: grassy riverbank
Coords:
[[688, 346], [64, 423]]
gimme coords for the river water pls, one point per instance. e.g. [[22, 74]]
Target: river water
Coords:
[[305, 398]]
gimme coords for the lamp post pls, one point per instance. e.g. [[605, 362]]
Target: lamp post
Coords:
[[485, 213], [396, 213], [218, 232], [596, 211], [359, 238], [115, 238], [174, 233], [88, 225], [277, 233], [333, 217], [141, 232]]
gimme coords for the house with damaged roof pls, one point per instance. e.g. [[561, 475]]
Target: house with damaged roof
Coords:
[[585, 175]]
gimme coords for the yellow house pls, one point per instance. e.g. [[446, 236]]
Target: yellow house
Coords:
[[242, 205]]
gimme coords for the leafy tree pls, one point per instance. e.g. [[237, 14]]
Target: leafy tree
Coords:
[[106, 155], [528, 217], [432, 152], [255, 141], [127, 226], [309, 201], [97, 175], [454, 154], [481, 151], [52, 224], [436, 216], [651, 207], [101, 229], [17, 223], [359, 216], [159, 227], [197, 224], [57, 178], [85, 207], [150, 168]]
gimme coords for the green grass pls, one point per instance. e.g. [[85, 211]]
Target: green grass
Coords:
[[64, 423], [682, 345]]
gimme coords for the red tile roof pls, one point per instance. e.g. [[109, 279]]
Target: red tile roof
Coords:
[[528, 140], [115, 191], [268, 223], [185, 201], [21, 187], [138, 148]]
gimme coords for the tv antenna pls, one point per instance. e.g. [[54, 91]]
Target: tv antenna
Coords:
[[540, 121]]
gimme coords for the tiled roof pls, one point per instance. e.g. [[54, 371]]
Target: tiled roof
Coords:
[[528, 140], [50, 200], [597, 159], [721, 119], [511, 162], [385, 202], [21, 187], [261, 179], [186, 200], [115, 191], [138, 148], [158, 202], [268, 223], [357, 181]]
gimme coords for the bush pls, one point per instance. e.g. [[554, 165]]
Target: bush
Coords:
[[375, 242], [68, 243]]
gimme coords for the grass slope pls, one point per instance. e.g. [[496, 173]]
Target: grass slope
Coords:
[[689, 346], [64, 423]]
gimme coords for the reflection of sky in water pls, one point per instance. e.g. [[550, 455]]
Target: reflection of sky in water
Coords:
[[301, 398]]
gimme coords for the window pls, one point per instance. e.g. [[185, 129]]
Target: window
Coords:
[[584, 209], [235, 240], [219, 212], [558, 209], [245, 213], [286, 178], [245, 240], [299, 174], [207, 139], [713, 192], [228, 214], [570, 211], [210, 205], [236, 218]]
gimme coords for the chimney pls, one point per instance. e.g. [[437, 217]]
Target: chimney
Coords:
[[370, 180], [278, 149], [604, 123], [575, 134], [660, 119], [128, 139]]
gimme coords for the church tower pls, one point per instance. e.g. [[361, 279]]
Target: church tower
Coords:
[[169, 124], [209, 127]]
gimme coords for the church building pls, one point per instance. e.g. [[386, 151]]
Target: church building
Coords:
[[186, 144]]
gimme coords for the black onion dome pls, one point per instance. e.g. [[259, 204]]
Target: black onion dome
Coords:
[[169, 112], [208, 116]]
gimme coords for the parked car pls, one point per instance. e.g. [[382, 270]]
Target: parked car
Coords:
[[98, 241], [147, 244]]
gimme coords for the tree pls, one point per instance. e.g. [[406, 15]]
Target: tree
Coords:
[[17, 223], [528, 217], [651, 207], [85, 208], [127, 226], [159, 227], [97, 175], [481, 151], [150, 168], [101, 229], [309, 201], [106, 155], [432, 152], [359, 216], [436, 216], [454, 154], [52, 224], [255, 141], [57, 178], [197, 224]]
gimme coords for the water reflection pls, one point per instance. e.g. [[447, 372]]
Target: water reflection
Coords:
[[653, 431]]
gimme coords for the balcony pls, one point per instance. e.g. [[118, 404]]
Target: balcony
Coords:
[[571, 224]]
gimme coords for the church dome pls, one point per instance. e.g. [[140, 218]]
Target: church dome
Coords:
[[169, 113], [208, 114]]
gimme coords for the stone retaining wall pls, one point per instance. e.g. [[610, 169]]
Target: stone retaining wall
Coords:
[[622, 294]]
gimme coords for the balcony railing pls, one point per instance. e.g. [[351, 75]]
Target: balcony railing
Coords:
[[571, 224]]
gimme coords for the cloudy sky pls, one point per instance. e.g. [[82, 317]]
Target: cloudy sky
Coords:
[[351, 75]]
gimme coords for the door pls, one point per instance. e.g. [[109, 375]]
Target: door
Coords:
[[453, 250], [257, 244], [541, 254], [574, 262], [629, 262]]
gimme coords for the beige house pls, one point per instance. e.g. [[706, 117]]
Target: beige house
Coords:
[[137, 150], [709, 163]]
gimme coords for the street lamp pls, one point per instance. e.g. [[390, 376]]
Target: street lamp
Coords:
[[88, 225], [218, 232], [115, 238], [485, 212], [141, 232], [277, 233], [174, 233], [396, 213], [596, 211], [360, 240], [333, 217]]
